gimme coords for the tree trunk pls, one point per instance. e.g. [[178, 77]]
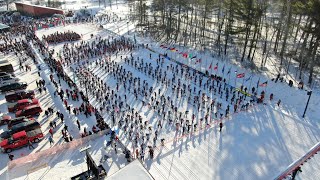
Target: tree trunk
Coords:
[[284, 44], [245, 42]]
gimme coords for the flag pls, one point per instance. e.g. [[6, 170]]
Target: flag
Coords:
[[216, 67], [210, 66], [173, 49], [185, 55], [264, 84], [190, 55], [229, 71], [241, 75], [223, 69]]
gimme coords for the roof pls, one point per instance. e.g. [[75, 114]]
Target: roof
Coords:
[[6, 117], [4, 142], [3, 26], [32, 106], [24, 101], [19, 134], [28, 4], [134, 170]]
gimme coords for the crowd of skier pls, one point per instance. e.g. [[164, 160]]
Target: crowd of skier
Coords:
[[59, 37], [155, 83]]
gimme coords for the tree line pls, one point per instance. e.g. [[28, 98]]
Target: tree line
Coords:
[[253, 30]]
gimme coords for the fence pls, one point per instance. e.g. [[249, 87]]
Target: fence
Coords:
[[299, 162], [32, 162]]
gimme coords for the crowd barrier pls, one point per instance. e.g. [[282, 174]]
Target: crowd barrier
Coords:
[[299, 162], [29, 160]]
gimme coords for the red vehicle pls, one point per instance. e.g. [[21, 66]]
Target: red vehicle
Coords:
[[5, 119], [18, 95], [21, 139], [29, 111], [12, 107]]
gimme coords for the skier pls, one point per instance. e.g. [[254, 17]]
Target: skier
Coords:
[[137, 153], [271, 96], [11, 156], [78, 123], [162, 142], [220, 124], [151, 152], [278, 103], [51, 132]]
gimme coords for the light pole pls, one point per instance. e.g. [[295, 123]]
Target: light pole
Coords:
[[308, 93]]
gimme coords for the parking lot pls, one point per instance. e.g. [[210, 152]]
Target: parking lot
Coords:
[[46, 100]]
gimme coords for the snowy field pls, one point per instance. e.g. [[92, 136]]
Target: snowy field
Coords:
[[255, 144]]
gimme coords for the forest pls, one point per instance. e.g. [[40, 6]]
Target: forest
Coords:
[[248, 31]]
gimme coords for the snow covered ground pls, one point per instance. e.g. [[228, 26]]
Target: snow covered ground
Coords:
[[256, 144]]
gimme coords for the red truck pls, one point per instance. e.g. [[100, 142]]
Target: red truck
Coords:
[[21, 104], [29, 111], [18, 95], [21, 139]]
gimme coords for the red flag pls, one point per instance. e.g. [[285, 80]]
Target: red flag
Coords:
[[185, 55], [241, 75], [210, 66], [264, 84], [215, 67]]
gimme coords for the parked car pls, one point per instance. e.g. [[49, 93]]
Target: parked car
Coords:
[[13, 86], [5, 119], [20, 139], [29, 111], [18, 120], [25, 126], [21, 104], [6, 67], [6, 77], [9, 81], [5, 73], [18, 95]]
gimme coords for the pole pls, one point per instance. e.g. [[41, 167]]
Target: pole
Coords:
[[304, 113]]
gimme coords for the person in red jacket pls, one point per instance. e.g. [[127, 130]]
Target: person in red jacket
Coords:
[[51, 132]]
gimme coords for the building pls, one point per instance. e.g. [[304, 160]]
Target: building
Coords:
[[37, 11]]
